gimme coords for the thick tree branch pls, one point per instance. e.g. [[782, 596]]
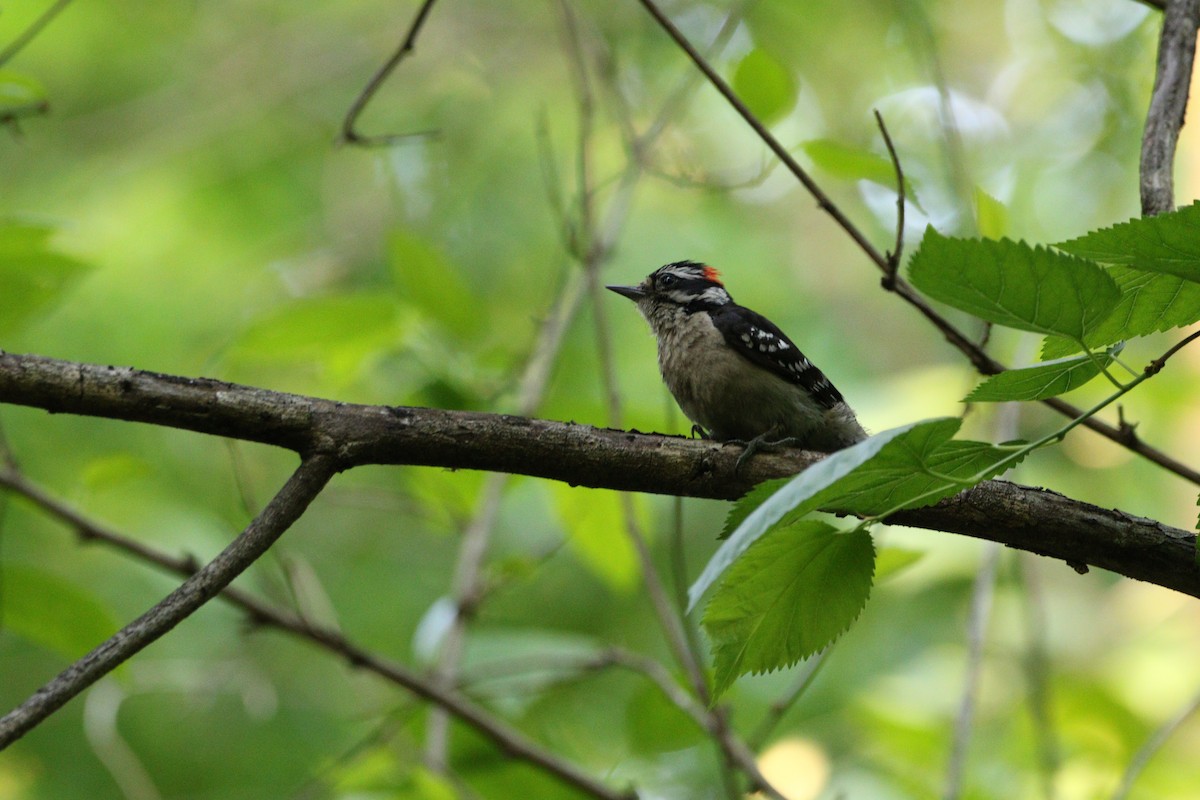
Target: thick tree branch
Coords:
[[283, 510], [1036, 520], [1168, 101]]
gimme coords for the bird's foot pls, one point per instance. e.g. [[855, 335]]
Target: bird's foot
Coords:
[[763, 443], [700, 433]]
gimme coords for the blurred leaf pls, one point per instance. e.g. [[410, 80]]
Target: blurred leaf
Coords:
[[890, 561], [1167, 243], [596, 525], [855, 164], [32, 276], [991, 215], [788, 596], [1049, 379], [111, 470], [20, 95], [339, 333], [1150, 302], [429, 281], [56, 614], [1013, 284], [655, 725], [765, 85]]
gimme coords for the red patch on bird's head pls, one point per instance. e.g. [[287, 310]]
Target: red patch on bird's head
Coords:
[[711, 274]]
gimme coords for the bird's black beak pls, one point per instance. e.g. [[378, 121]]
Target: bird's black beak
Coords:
[[634, 293]]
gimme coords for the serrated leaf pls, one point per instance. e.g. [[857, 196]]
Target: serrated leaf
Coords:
[[746, 504], [991, 216], [1010, 283], [915, 471], [797, 496], [906, 467], [32, 275], [1150, 302], [1167, 243], [790, 595], [55, 613], [1040, 381], [765, 85]]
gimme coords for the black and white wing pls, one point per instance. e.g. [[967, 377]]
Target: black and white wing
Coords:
[[760, 340]]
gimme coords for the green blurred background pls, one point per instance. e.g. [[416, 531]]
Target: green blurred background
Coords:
[[188, 165]]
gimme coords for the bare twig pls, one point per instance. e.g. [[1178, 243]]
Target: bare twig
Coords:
[[981, 606], [467, 588], [283, 510], [1168, 102], [508, 739], [1148, 750], [1039, 521], [1036, 666], [29, 34], [351, 135], [982, 362], [780, 707], [894, 257]]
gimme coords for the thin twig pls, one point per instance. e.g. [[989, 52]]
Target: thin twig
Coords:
[[1168, 103], [894, 257], [777, 709], [467, 588], [1036, 665], [278, 515], [1155, 743], [781, 152], [981, 604], [508, 739], [29, 34], [982, 362], [351, 135]]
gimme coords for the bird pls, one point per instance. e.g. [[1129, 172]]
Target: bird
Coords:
[[735, 374]]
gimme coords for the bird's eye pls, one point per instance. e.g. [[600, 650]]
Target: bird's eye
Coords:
[[667, 281]]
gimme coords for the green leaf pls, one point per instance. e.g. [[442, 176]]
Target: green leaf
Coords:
[[20, 95], [429, 281], [791, 594], [918, 470], [1167, 243], [595, 522], [56, 614], [1150, 302], [991, 215], [890, 561], [32, 276], [653, 724], [1013, 284], [339, 332], [748, 502], [1040, 381], [797, 496], [765, 85], [855, 164], [906, 467]]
